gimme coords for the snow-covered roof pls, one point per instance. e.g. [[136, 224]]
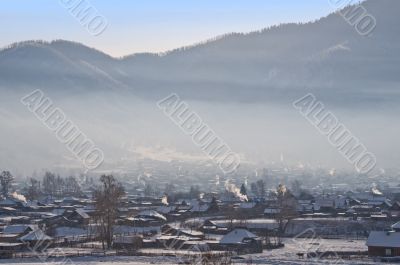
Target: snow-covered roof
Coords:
[[37, 235], [5, 208], [46, 200], [8, 202], [31, 204], [127, 239], [383, 239], [325, 202], [304, 201], [18, 229], [5, 244], [237, 236], [70, 199], [396, 226], [191, 232], [166, 209], [125, 229], [58, 211], [200, 208], [247, 205], [65, 231], [272, 210], [82, 213], [250, 224], [177, 231], [89, 208]]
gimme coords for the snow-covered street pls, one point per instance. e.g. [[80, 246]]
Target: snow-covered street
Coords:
[[287, 255]]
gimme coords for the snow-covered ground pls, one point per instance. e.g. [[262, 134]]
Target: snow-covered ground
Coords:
[[283, 256], [94, 261]]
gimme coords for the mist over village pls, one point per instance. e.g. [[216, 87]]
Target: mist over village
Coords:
[[208, 133]]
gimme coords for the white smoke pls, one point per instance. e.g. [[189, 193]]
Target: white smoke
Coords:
[[230, 187], [164, 200], [19, 197], [217, 180]]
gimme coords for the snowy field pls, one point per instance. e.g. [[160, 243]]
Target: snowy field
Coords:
[[253, 259], [285, 255]]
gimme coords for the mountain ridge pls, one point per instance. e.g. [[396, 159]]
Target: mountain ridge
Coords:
[[325, 56]]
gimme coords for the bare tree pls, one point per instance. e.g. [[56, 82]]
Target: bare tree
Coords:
[[72, 186], [6, 179], [33, 191], [243, 190], [296, 187], [254, 189], [107, 196], [55, 185], [169, 188], [49, 183], [286, 209], [261, 188], [194, 192], [148, 189]]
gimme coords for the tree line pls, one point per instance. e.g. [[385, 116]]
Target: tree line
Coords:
[[52, 185]]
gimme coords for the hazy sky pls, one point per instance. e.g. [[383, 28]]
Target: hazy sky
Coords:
[[151, 25]]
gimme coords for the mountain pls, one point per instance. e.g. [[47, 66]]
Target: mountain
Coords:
[[242, 86], [280, 63]]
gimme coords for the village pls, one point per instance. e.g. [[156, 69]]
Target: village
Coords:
[[55, 217]]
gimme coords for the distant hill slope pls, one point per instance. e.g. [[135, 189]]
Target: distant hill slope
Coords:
[[278, 64]]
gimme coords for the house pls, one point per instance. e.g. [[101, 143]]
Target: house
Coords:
[[241, 240], [271, 212], [363, 210], [341, 202], [55, 222], [147, 218], [77, 216], [247, 205], [213, 228], [377, 196], [305, 206], [396, 227], [129, 243], [19, 229], [353, 202], [11, 233], [201, 207], [69, 201], [58, 211], [190, 233], [253, 208], [36, 239], [8, 249], [7, 210], [178, 238], [166, 209], [325, 204], [394, 210], [70, 233], [383, 244], [12, 202], [385, 206]]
